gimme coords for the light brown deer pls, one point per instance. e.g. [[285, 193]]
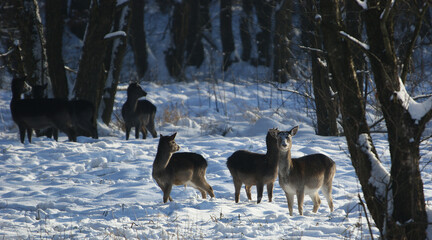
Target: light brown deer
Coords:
[[250, 169], [186, 168], [305, 175]]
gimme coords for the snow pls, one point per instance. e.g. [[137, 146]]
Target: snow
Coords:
[[355, 40], [362, 4], [115, 34], [98, 189], [417, 110]]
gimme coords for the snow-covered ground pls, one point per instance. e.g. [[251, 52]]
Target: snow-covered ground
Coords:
[[103, 189]]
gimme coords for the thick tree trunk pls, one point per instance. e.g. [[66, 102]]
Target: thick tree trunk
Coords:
[[363, 154], [408, 219], [174, 55], [32, 41], [54, 17], [117, 52], [194, 46], [226, 33], [138, 37], [283, 61], [245, 28], [92, 70], [264, 11]]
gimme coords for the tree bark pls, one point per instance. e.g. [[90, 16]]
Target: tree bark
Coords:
[[363, 154], [264, 11], [54, 18], [408, 219], [92, 70], [283, 61], [137, 37], [32, 42], [116, 54], [226, 33], [194, 46], [245, 28], [174, 55]]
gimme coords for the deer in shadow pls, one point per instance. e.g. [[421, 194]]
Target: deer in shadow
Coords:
[[304, 175], [31, 114], [185, 168], [257, 169], [82, 112], [138, 113]]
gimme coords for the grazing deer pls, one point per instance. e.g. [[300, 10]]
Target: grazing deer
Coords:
[[305, 175], [138, 113], [250, 169], [186, 168], [31, 114]]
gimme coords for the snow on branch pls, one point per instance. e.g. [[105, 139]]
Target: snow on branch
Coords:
[[380, 177], [115, 35], [355, 40], [417, 110], [362, 4]]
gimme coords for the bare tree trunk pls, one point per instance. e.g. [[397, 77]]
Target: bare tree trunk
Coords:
[[194, 46], [32, 41], [245, 28], [363, 154], [54, 17], [92, 70], [408, 219], [226, 33], [174, 55], [264, 10], [116, 54], [283, 61], [138, 37]]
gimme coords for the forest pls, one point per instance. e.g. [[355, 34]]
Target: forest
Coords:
[[343, 57]]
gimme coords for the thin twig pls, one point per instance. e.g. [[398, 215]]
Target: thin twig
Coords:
[[366, 215]]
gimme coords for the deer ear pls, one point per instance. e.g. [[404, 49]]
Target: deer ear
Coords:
[[173, 136], [160, 135], [294, 130], [273, 132]]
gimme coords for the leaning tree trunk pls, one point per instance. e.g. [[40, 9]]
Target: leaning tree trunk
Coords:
[[226, 33], [363, 154], [283, 61], [54, 16], [116, 54], [408, 219], [137, 37], [32, 41], [91, 74]]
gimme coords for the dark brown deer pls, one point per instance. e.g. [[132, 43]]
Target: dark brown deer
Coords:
[[250, 169], [138, 113], [31, 114], [185, 168], [305, 175]]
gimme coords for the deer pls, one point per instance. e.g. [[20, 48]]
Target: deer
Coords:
[[82, 112], [304, 175], [31, 114], [179, 168], [138, 113], [251, 169]]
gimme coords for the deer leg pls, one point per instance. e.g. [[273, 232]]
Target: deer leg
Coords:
[[327, 191], [290, 200], [55, 134], [151, 128], [137, 131], [270, 191], [128, 128], [248, 192], [260, 189], [144, 132], [22, 132], [316, 201], [166, 193], [300, 199], [29, 134], [237, 187], [204, 187]]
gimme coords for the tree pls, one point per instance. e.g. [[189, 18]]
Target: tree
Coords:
[[137, 37], [395, 200], [226, 33], [54, 18], [283, 62], [114, 60], [91, 76]]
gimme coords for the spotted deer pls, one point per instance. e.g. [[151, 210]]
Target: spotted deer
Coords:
[[185, 168], [304, 175]]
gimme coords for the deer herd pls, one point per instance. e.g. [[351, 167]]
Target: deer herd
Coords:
[[297, 176]]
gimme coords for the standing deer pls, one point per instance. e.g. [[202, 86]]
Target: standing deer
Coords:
[[305, 175], [255, 169], [138, 113], [186, 168]]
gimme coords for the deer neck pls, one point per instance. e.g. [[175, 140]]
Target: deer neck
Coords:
[[132, 103], [162, 159], [272, 156], [285, 161]]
